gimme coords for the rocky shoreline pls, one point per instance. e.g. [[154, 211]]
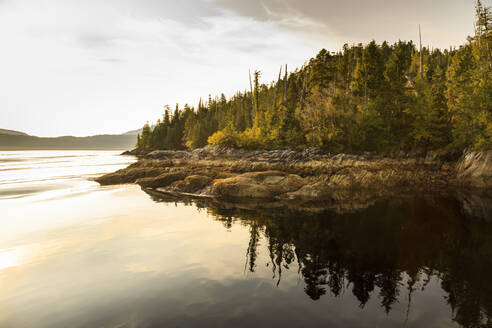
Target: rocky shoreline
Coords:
[[306, 180]]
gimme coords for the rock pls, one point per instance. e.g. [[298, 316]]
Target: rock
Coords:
[[344, 181], [266, 184], [191, 184], [168, 154], [313, 192], [307, 180], [267, 177], [129, 152], [136, 152], [162, 180], [289, 183], [474, 169], [129, 175], [239, 187], [314, 178], [111, 179], [432, 158]]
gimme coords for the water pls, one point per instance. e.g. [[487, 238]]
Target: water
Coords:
[[74, 254]]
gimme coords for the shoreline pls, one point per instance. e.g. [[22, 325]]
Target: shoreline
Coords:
[[308, 180]]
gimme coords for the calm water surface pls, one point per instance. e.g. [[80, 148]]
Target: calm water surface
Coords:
[[74, 254]]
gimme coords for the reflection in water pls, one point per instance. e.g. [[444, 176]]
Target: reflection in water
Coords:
[[29, 173], [7, 259], [386, 251], [73, 254]]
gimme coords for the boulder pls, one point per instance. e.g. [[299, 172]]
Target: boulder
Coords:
[[191, 184], [136, 152], [129, 175], [162, 180], [312, 192], [239, 187], [475, 169], [343, 181], [167, 154], [267, 184], [289, 183]]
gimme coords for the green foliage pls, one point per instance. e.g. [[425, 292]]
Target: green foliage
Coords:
[[144, 140], [469, 87], [363, 98], [227, 137]]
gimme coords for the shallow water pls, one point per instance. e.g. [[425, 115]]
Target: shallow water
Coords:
[[74, 254]]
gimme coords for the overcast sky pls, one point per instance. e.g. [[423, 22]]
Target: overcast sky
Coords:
[[83, 67]]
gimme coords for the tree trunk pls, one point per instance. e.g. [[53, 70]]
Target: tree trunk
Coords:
[[421, 61], [285, 85], [304, 86], [274, 104], [252, 96]]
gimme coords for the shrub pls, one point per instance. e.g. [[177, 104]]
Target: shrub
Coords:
[[227, 137]]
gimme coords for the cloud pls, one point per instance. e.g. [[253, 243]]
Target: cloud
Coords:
[[95, 40], [112, 60], [95, 23], [444, 22], [189, 12], [122, 60]]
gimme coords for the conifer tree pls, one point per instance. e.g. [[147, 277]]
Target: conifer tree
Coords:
[[363, 98]]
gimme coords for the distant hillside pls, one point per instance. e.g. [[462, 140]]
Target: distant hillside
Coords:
[[14, 140], [12, 132], [133, 132]]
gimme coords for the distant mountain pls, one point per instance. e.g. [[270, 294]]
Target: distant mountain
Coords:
[[12, 132], [14, 140], [133, 132]]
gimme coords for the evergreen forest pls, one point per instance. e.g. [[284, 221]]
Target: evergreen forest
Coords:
[[365, 97]]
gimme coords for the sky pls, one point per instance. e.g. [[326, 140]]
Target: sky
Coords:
[[84, 67]]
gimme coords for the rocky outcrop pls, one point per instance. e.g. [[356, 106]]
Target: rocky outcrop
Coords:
[[191, 184], [474, 170], [307, 180], [316, 191], [267, 184], [162, 180], [132, 173], [136, 152]]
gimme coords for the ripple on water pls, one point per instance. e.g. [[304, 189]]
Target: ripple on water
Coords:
[[28, 190], [31, 173]]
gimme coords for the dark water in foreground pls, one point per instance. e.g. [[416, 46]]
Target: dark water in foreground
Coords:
[[73, 254]]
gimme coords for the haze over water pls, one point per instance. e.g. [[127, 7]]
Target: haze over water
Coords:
[[74, 254]]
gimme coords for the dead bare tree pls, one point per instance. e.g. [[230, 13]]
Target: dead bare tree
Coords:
[[252, 96], [421, 59], [276, 88], [304, 85], [285, 85]]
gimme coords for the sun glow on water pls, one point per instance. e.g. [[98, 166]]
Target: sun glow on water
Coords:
[[8, 259], [47, 174], [16, 256]]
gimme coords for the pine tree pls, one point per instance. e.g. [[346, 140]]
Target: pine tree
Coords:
[[362, 98]]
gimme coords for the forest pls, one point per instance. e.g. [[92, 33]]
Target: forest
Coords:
[[365, 97]]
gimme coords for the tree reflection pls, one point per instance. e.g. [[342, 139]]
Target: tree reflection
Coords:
[[252, 253], [386, 251]]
